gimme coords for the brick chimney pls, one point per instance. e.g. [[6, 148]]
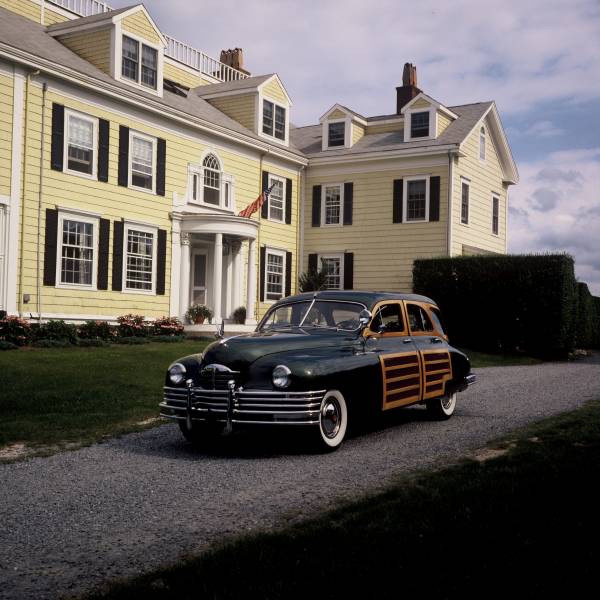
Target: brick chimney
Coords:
[[234, 58], [409, 89]]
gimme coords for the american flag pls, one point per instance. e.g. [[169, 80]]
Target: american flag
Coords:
[[254, 206]]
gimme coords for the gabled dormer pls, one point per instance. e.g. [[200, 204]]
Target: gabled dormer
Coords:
[[425, 118], [259, 103], [126, 44], [341, 128]]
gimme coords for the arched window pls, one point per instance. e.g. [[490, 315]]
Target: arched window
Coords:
[[482, 143], [212, 180]]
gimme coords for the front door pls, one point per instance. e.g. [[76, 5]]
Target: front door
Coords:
[[198, 279]]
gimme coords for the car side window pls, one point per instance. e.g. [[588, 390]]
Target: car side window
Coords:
[[418, 318], [436, 315], [388, 319]]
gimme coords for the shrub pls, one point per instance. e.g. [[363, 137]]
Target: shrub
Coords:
[[8, 345], [585, 331], [132, 340], [596, 302], [56, 330], [50, 343], [15, 330], [168, 339], [166, 326], [239, 315], [132, 326], [312, 280], [518, 303], [96, 330], [93, 343]]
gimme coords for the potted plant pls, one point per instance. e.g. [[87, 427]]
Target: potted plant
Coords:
[[239, 315], [197, 313]]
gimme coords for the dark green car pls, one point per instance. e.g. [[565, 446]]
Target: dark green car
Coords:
[[317, 361]]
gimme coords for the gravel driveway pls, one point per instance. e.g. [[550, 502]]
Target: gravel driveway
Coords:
[[72, 521]]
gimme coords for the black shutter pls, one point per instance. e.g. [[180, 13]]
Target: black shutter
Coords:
[[434, 198], [316, 206], [348, 198], [103, 240], [349, 270], [288, 273], [264, 213], [103, 145], [58, 137], [397, 200], [161, 261], [288, 202], [50, 241], [261, 270], [312, 262], [123, 156], [117, 273], [161, 165]]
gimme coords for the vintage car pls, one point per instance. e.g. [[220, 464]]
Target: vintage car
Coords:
[[319, 360]]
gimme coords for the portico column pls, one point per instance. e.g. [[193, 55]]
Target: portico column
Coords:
[[229, 271], [217, 277], [237, 260], [184, 275], [251, 284]]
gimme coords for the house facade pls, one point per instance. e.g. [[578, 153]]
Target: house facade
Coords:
[[127, 157]]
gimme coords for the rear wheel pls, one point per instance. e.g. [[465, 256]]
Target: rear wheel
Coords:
[[200, 432], [442, 408], [333, 421]]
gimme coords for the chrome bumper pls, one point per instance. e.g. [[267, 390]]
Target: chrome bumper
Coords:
[[247, 407], [470, 379]]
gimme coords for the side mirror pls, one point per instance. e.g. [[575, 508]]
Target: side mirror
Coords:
[[364, 317]]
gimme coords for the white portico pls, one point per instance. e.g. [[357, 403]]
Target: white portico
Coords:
[[214, 263]]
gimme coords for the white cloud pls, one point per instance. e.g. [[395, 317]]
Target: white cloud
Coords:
[[544, 129], [556, 208]]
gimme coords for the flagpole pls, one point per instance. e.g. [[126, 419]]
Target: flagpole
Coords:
[[260, 190]]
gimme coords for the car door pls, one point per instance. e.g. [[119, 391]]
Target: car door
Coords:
[[431, 344], [388, 336]]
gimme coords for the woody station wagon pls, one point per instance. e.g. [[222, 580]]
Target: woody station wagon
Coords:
[[318, 361]]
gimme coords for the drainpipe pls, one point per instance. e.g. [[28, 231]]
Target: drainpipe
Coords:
[[300, 229], [39, 210], [450, 193]]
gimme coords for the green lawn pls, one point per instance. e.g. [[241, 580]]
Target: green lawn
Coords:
[[523, 524], [480, 359], [79, 395]]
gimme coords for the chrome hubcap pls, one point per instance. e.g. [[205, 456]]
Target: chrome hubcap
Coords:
[[331, 417], [447, 402]]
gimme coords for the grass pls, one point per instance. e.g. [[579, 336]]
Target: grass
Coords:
[[522, 524], [480, 359], [80, 395]]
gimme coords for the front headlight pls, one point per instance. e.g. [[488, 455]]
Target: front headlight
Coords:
[[281, 376], [176, 373]]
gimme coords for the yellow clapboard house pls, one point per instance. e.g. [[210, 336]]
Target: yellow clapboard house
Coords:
[[126, 157]]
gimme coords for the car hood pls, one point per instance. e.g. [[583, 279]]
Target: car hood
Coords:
[[240, 351]]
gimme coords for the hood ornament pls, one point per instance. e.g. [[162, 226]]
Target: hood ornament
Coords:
[[220, 333]]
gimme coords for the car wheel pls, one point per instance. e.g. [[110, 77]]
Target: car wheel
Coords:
[[333, 421], [200, 432], [442, 408]]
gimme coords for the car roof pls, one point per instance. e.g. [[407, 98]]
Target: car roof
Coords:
[[369, 299]]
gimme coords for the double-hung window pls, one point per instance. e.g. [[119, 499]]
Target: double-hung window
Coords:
[[276, 199], [419, 124], [142, 161], [274, 120], [495, 214], [332, 205], [464, 203], [416, 200], [81, 142], [140, 253], [139, 62], [333, 265], [77, 250], [212, 180], [336, 133], [274, 274]]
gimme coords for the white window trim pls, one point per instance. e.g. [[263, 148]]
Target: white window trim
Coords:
[[484, 135], [405, 198], [324, 209], [95, 222], [432, 124], [94, 120], [340, 256], [118, 55], [259, 128], [277, 252], [467, 182], [273, 178], [347, 133], [127, 225], [226, 178], [497, 197], [149, 138]]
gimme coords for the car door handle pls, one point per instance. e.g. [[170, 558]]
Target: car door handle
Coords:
[[435, 340]]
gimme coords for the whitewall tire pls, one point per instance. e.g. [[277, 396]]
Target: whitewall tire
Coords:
[[333, 421], [442, 408]]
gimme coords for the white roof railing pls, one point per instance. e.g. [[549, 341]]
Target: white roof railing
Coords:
[[179, 51]]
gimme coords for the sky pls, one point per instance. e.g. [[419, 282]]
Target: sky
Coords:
[[539, 60]]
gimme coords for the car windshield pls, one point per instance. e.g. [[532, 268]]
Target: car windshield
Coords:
[[318, 314]]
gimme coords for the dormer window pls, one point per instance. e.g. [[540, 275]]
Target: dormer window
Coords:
[[144, 74], [336, 133], [419, 124], [273, 120]]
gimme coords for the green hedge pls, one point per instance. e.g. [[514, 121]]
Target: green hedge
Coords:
[[516, 303], [585, 330]]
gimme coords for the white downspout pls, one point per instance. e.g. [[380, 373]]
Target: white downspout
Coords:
[[450, 194], [39, 210]]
